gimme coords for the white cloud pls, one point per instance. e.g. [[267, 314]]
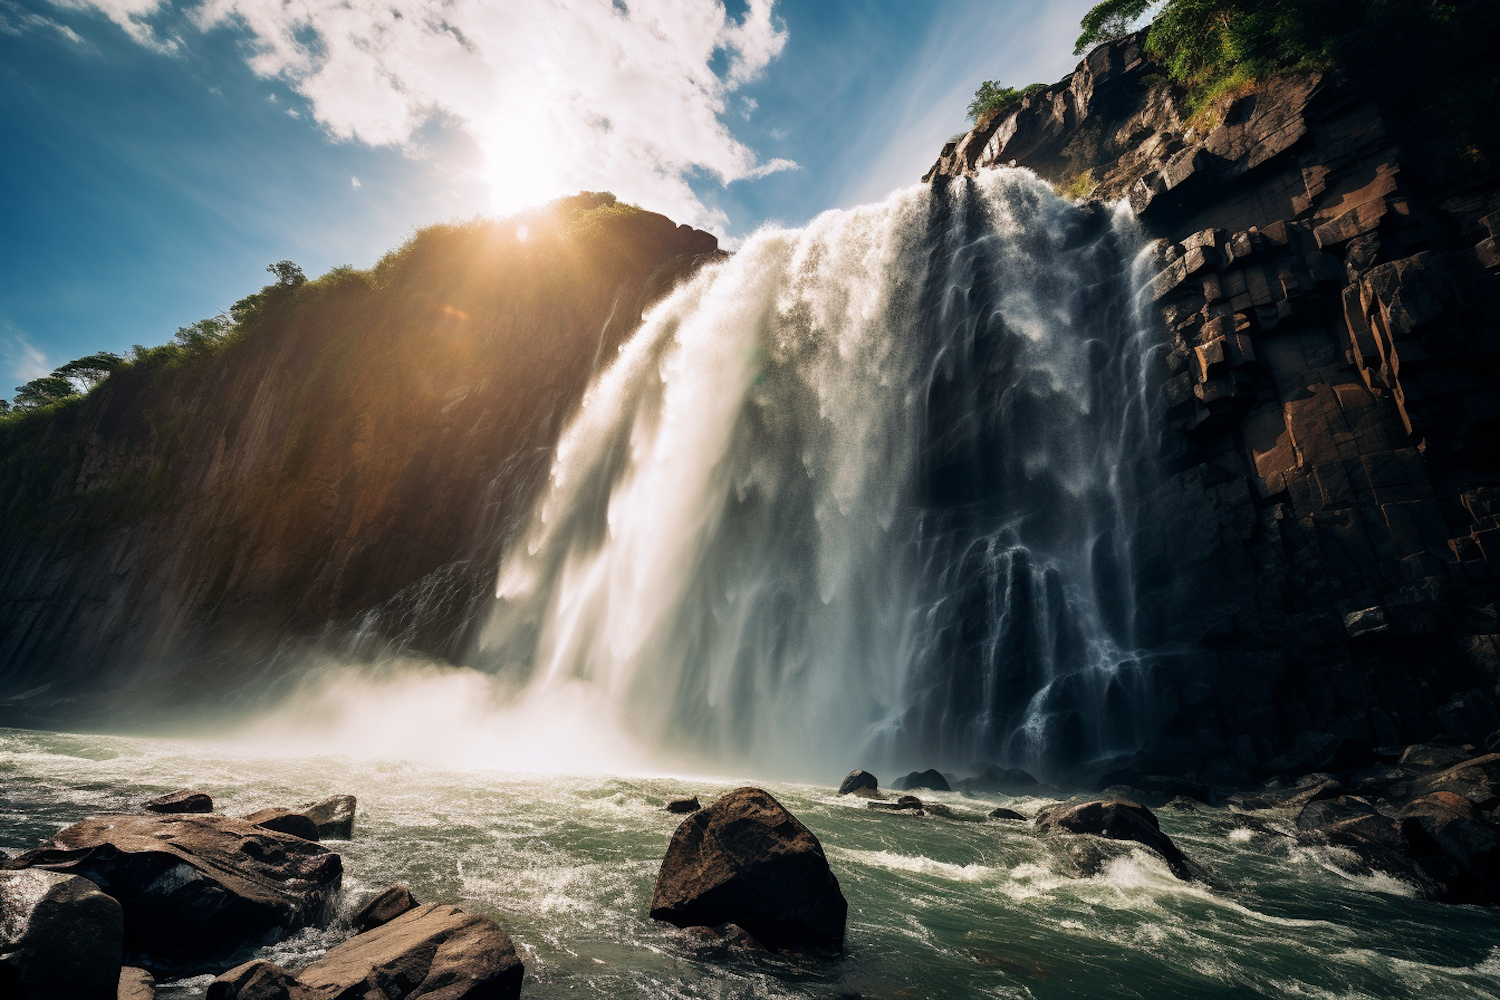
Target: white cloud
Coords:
[[130, 15], [354, 181], [23, 361], [558, 95]]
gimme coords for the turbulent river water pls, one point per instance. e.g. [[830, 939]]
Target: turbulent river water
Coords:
[[938, 908]]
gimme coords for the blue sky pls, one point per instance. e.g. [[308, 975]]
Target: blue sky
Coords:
[[159, 154]]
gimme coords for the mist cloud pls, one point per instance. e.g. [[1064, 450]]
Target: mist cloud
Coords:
[[558, 95]]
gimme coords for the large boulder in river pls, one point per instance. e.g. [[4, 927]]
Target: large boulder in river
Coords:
[[929, 778], [858, 781], [195, 888], [745, 860], [334, 816], [285, 821], [59, 937], [1114, 819], [1454, 845], [434, 952], [184, 800]]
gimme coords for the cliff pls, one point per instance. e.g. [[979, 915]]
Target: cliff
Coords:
[[345, 468], [1322, 555]]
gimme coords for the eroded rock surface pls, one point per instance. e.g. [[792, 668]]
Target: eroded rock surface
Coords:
[[746, 860], [60, 937]]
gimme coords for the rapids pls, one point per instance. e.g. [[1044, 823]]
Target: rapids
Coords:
[[862, 494], [938, 908]]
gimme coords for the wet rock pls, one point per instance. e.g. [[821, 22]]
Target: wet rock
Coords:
[[387, 905], [930, 779], [435, 951], [258, 980], [136, 984], [194, 888], [1432, 757], [1477, 780], [1118, 819], [905, 803], [59, 937], [1005, 780], [334, 816], [1000, 812], [725, 937], [684, 805], [857, 781], [746, 860], [284, 821], [1454, 845], [181, 801]]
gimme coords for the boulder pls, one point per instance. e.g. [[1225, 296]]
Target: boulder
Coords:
[[435, 951], [856, 781], [680, 806], [906, 803], [1454, 845], [1477, 780], [136, 984], [258, 980], [724, 937], [181, 801], [1116, 819], [1001, 812], [195, 888], [924, 779], [334, 816], [59, 937], [389, 904], [746, 860], [284, 821], [1008, 780]]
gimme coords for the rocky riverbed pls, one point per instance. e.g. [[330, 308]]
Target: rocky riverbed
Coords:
[[945, 901]]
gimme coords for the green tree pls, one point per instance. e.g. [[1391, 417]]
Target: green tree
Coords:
[[43, 391], [1109, 21], [288, 275], [204, 333], [87, 372], [994, 96]]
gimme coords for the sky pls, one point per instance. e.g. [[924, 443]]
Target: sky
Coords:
[[158, 154]]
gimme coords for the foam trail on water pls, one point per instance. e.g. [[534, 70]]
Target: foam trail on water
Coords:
[[864, 491]]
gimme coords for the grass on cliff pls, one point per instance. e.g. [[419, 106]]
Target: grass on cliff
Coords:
[[1431, 63]]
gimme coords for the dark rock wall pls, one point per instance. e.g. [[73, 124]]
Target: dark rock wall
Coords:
[[355, 458], [1324, 546]]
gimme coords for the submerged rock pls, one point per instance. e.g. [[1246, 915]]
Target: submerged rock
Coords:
[[858, 781], [285, 821], [1000, 812], [746, 860], [906, 803], [194, 888], [60, 937], [1118, 819], [334, 816], [680, 806], [181, 801], [924, 779], [389, 904], [724, 937]]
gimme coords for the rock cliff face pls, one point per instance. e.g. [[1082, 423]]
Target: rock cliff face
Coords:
[[1324, 548], [346, 468]]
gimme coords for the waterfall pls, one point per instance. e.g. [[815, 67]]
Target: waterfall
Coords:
[[863, 493]]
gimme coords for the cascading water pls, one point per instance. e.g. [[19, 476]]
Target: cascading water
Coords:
[[863, 492]]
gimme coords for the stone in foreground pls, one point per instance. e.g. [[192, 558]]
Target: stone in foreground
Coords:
[[194, 888], [858, 781], [136, 984], [385, 907], [334, 816], [59, 937], [434, 952], [1117, 819], [746, 860], [183, 800]]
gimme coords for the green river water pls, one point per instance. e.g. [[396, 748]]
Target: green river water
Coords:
[[938, 907]]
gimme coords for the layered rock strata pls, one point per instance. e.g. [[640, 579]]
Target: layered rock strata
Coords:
[[1322, 556]]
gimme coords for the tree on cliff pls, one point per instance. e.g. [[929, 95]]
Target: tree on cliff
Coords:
[[43, 391], [86, 372], [288, 275]]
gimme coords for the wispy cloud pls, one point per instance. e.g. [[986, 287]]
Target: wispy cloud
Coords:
[[23, 361], [15, 20], [558, 95], [131, 15]]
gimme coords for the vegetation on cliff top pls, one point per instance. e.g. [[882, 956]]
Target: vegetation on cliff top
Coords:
[[1431, 62]]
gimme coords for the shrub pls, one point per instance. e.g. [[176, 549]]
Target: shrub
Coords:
[[993, 97]]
